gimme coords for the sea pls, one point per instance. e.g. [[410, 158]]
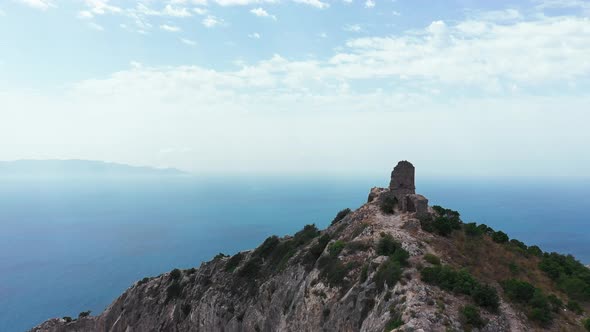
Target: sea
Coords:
[[73, 244]]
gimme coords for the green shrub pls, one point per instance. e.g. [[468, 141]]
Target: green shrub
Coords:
[[356, 246], [574, 307], [445, 222], [518, 291], [251, 269], [519, 245], [308, 233], [266, 248], [555, 303], [173, 291], [220, 255], [462, 282], [432, 259], [535, 251], [175, 274], [587, 324], [340, 216], [389, 272], [364, 273], [500, 237], [393, 323], [471, 317], [486, 296], [387, 245], [336, 247], [68, 319], [485, 229], [233, 262], [388, 203], [143, 281], [471, 229], [571, 275], [84, 314], [332, 270]]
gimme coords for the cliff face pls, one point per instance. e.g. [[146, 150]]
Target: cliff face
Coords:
[[363, 273]]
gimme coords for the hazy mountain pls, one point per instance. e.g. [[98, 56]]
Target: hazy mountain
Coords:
[[78, 168]]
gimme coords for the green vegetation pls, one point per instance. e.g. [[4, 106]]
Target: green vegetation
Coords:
[[143, 281], [393, 323], [341, 215], [461, 282], [233, 262], [251, 269], [364, 273], [570, 275], [267, 247], [175, 274], [390, 271], [500, 237], [308, 233], [432, 259], [471, 317], [220, 256], [574, 307], [540, 307], [472, 229], [444, 223], [336, 247], [587, 324], [68, 319], [388, 203], [173, 291], [84, 314]]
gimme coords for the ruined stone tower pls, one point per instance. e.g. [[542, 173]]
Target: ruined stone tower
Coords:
[[402, 187], [402, 179]]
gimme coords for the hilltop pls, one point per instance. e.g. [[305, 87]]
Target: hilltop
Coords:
[[394, 264]]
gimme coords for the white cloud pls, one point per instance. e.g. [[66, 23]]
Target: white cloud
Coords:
[[38, 4], [211, 21], [95, 26], [2, 13], [352, 28], [314, 3], [176, 11], [101, 7], [242, 2], [260, 12], [323, 35], [254, 35], [396, 13], [369, 4], [200, 11], [188, 42], [169, 28], [85, 14]]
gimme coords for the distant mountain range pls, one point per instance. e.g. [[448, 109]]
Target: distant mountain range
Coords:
[[78, 168]]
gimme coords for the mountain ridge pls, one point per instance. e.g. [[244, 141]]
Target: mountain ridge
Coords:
[[78, 167]]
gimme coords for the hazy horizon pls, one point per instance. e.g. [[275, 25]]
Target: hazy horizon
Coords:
[[242, 86]]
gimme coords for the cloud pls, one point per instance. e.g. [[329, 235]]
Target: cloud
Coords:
[[101, 7], [85, 14], [352, 28], [254, 35], [200, 11], [369, 4], [211, 21], [169, 28], [314, 3], [260, 12], [95, 26], [176, 11], [188, 42], [38, 4], [242, 2]]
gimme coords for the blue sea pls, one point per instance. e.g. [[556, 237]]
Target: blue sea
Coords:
[[74, 244]]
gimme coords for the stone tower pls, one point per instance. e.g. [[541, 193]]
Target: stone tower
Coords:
[[402, 187], [402, 179]]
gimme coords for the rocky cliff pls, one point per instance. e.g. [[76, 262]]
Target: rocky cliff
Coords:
[[374, 269]]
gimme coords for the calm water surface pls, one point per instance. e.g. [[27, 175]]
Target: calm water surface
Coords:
[[69, 245]]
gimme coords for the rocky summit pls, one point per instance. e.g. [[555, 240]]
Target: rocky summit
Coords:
[[394, 264]]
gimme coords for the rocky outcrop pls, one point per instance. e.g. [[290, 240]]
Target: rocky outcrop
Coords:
[[313, 281]]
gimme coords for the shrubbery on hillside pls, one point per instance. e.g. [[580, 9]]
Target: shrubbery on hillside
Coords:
[[470, 316], [461, 282], [341, 215], [540, 307], [569, 274]]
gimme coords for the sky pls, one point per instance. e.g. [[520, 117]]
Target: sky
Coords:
[[349, 87]]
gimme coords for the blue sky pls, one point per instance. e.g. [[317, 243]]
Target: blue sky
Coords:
[[299, 86]]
